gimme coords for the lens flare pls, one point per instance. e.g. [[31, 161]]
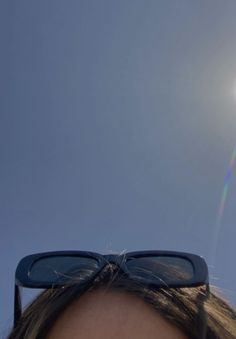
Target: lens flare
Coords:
[[234, 90], [222, 205]]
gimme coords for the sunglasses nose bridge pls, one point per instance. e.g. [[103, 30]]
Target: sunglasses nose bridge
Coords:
[[114, 259]]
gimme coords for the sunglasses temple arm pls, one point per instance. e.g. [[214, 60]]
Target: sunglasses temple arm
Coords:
[[202, 314], [17, 305]]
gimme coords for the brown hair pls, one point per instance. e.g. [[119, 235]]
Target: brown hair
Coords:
[[178, 306]]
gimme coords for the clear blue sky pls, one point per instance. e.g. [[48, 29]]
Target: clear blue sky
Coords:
[[117, 125]]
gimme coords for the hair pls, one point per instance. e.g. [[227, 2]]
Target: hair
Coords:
[[179, 306]]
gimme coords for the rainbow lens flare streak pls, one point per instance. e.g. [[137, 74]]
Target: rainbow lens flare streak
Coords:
[[222, 205], [226, 186]]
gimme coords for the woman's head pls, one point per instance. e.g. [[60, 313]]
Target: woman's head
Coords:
[[106, 314], [115, 306]]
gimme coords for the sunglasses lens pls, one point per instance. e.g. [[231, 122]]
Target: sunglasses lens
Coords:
[[62, 269], [164, 270]]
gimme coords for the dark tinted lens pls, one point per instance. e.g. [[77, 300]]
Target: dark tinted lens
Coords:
[[161, 269], [62, 269]]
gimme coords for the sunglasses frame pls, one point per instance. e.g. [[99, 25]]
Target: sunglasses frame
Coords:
[[200, 267], [22, 279]]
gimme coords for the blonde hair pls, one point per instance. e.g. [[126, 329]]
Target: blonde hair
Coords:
[[179, 306]]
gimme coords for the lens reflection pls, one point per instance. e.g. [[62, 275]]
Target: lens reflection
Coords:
[[161, 269], [61, 269]]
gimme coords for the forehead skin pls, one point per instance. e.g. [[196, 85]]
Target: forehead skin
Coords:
[[112, 315]]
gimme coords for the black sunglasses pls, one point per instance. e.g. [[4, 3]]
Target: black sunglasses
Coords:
[[160, 269]]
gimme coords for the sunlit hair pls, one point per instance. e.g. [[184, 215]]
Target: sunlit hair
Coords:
[[178, 306]]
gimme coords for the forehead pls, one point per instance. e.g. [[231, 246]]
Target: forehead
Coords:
[[112, 314]]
